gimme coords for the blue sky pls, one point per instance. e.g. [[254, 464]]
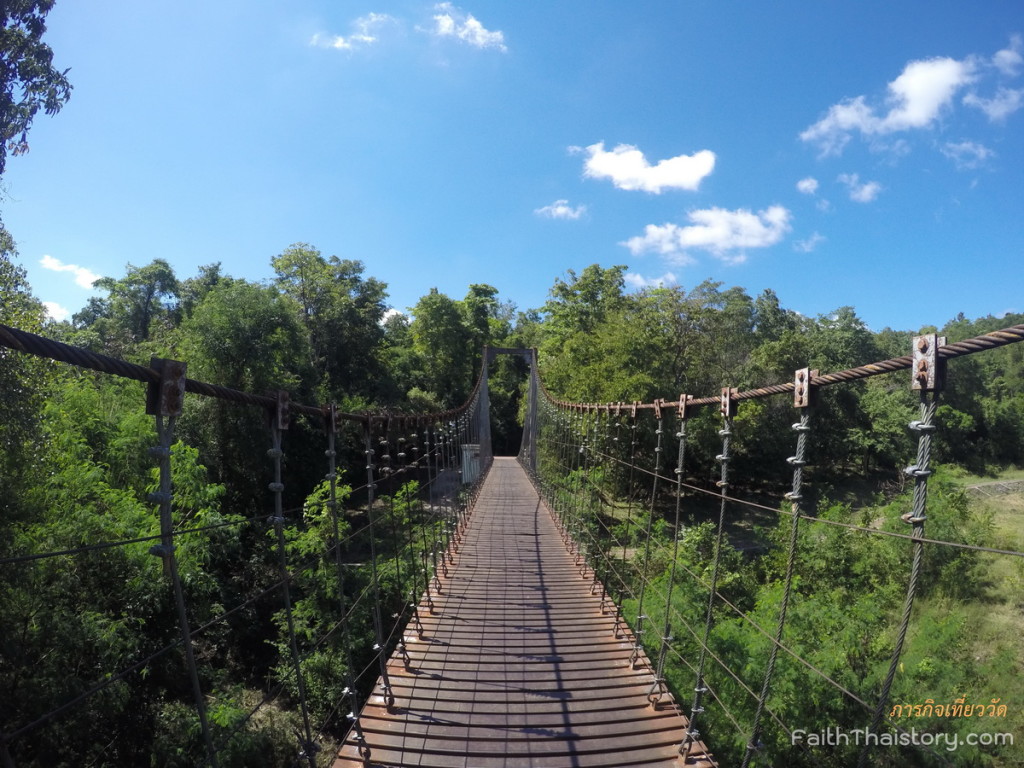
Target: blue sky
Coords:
[[866, 154]]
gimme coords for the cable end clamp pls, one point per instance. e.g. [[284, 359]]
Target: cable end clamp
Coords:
[[909, 517], [276, 487], [916, 471], [793, 461], [162, 550], [920, 426], [159, 452], [158, 497]]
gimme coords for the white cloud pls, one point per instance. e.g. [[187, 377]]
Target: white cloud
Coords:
[[999, 107], [638, 281], [628, 169], [966, 154], [808, 186], [83, 277], [860, 192], [363, 35], [723, 233], [451, 22], [915, 100], [808, 245], [1009, 60], [560, 209], [55, 311]]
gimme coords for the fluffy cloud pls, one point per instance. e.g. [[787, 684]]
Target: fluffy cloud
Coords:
[[808, 186], [860, 192], [83, 277], [363, 35], [966, 154], [55, 311], [723, 233], [560, 209], [449, 21], [999, 107], [915, 100], [1009, 60], [808, 245], [638, 281], [628, 169]]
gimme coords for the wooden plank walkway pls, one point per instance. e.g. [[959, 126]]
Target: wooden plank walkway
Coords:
[[518, 666]]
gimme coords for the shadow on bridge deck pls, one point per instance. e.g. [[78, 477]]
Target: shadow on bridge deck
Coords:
[[518, 664]]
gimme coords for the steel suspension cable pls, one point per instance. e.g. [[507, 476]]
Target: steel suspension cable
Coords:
[[350, 691], [659, 688], [728, 410], [920, 471], [795, 496], [378, 629], [279, 423], [634, 657]]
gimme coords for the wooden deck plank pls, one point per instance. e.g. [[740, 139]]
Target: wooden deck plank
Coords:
[[517, 664]]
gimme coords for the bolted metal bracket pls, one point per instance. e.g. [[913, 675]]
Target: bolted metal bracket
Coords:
[[727, 406], [166, 397], [929, 370], [803, 392], [658, 402], [282, 413], [684, 402]]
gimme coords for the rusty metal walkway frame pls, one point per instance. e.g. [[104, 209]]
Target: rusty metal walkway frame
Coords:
[[518, 664]]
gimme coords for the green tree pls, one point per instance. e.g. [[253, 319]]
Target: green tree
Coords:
[[144, 296], [342, 313], [28, 80], [25, 382], [441, 337]]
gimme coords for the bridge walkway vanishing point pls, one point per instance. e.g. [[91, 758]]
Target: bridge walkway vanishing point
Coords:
[[518, 664]]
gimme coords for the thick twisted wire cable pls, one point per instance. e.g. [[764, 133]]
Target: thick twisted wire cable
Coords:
[[277, 488], [630, 498], [1011, 335], [379, 646], [692, 734], [165, 437], [350, 690], [640, 617], [658, 689], [798, 462], [920, 472]]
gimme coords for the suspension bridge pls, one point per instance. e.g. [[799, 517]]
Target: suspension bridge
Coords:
[[511, 643]]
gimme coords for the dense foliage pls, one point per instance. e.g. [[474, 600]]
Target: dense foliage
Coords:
[[90, 673], [75, 458]]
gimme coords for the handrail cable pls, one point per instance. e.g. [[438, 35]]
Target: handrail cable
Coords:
[[837, 523]]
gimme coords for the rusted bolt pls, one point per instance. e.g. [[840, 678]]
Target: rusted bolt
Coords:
[[800, 375], [922, 344]]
